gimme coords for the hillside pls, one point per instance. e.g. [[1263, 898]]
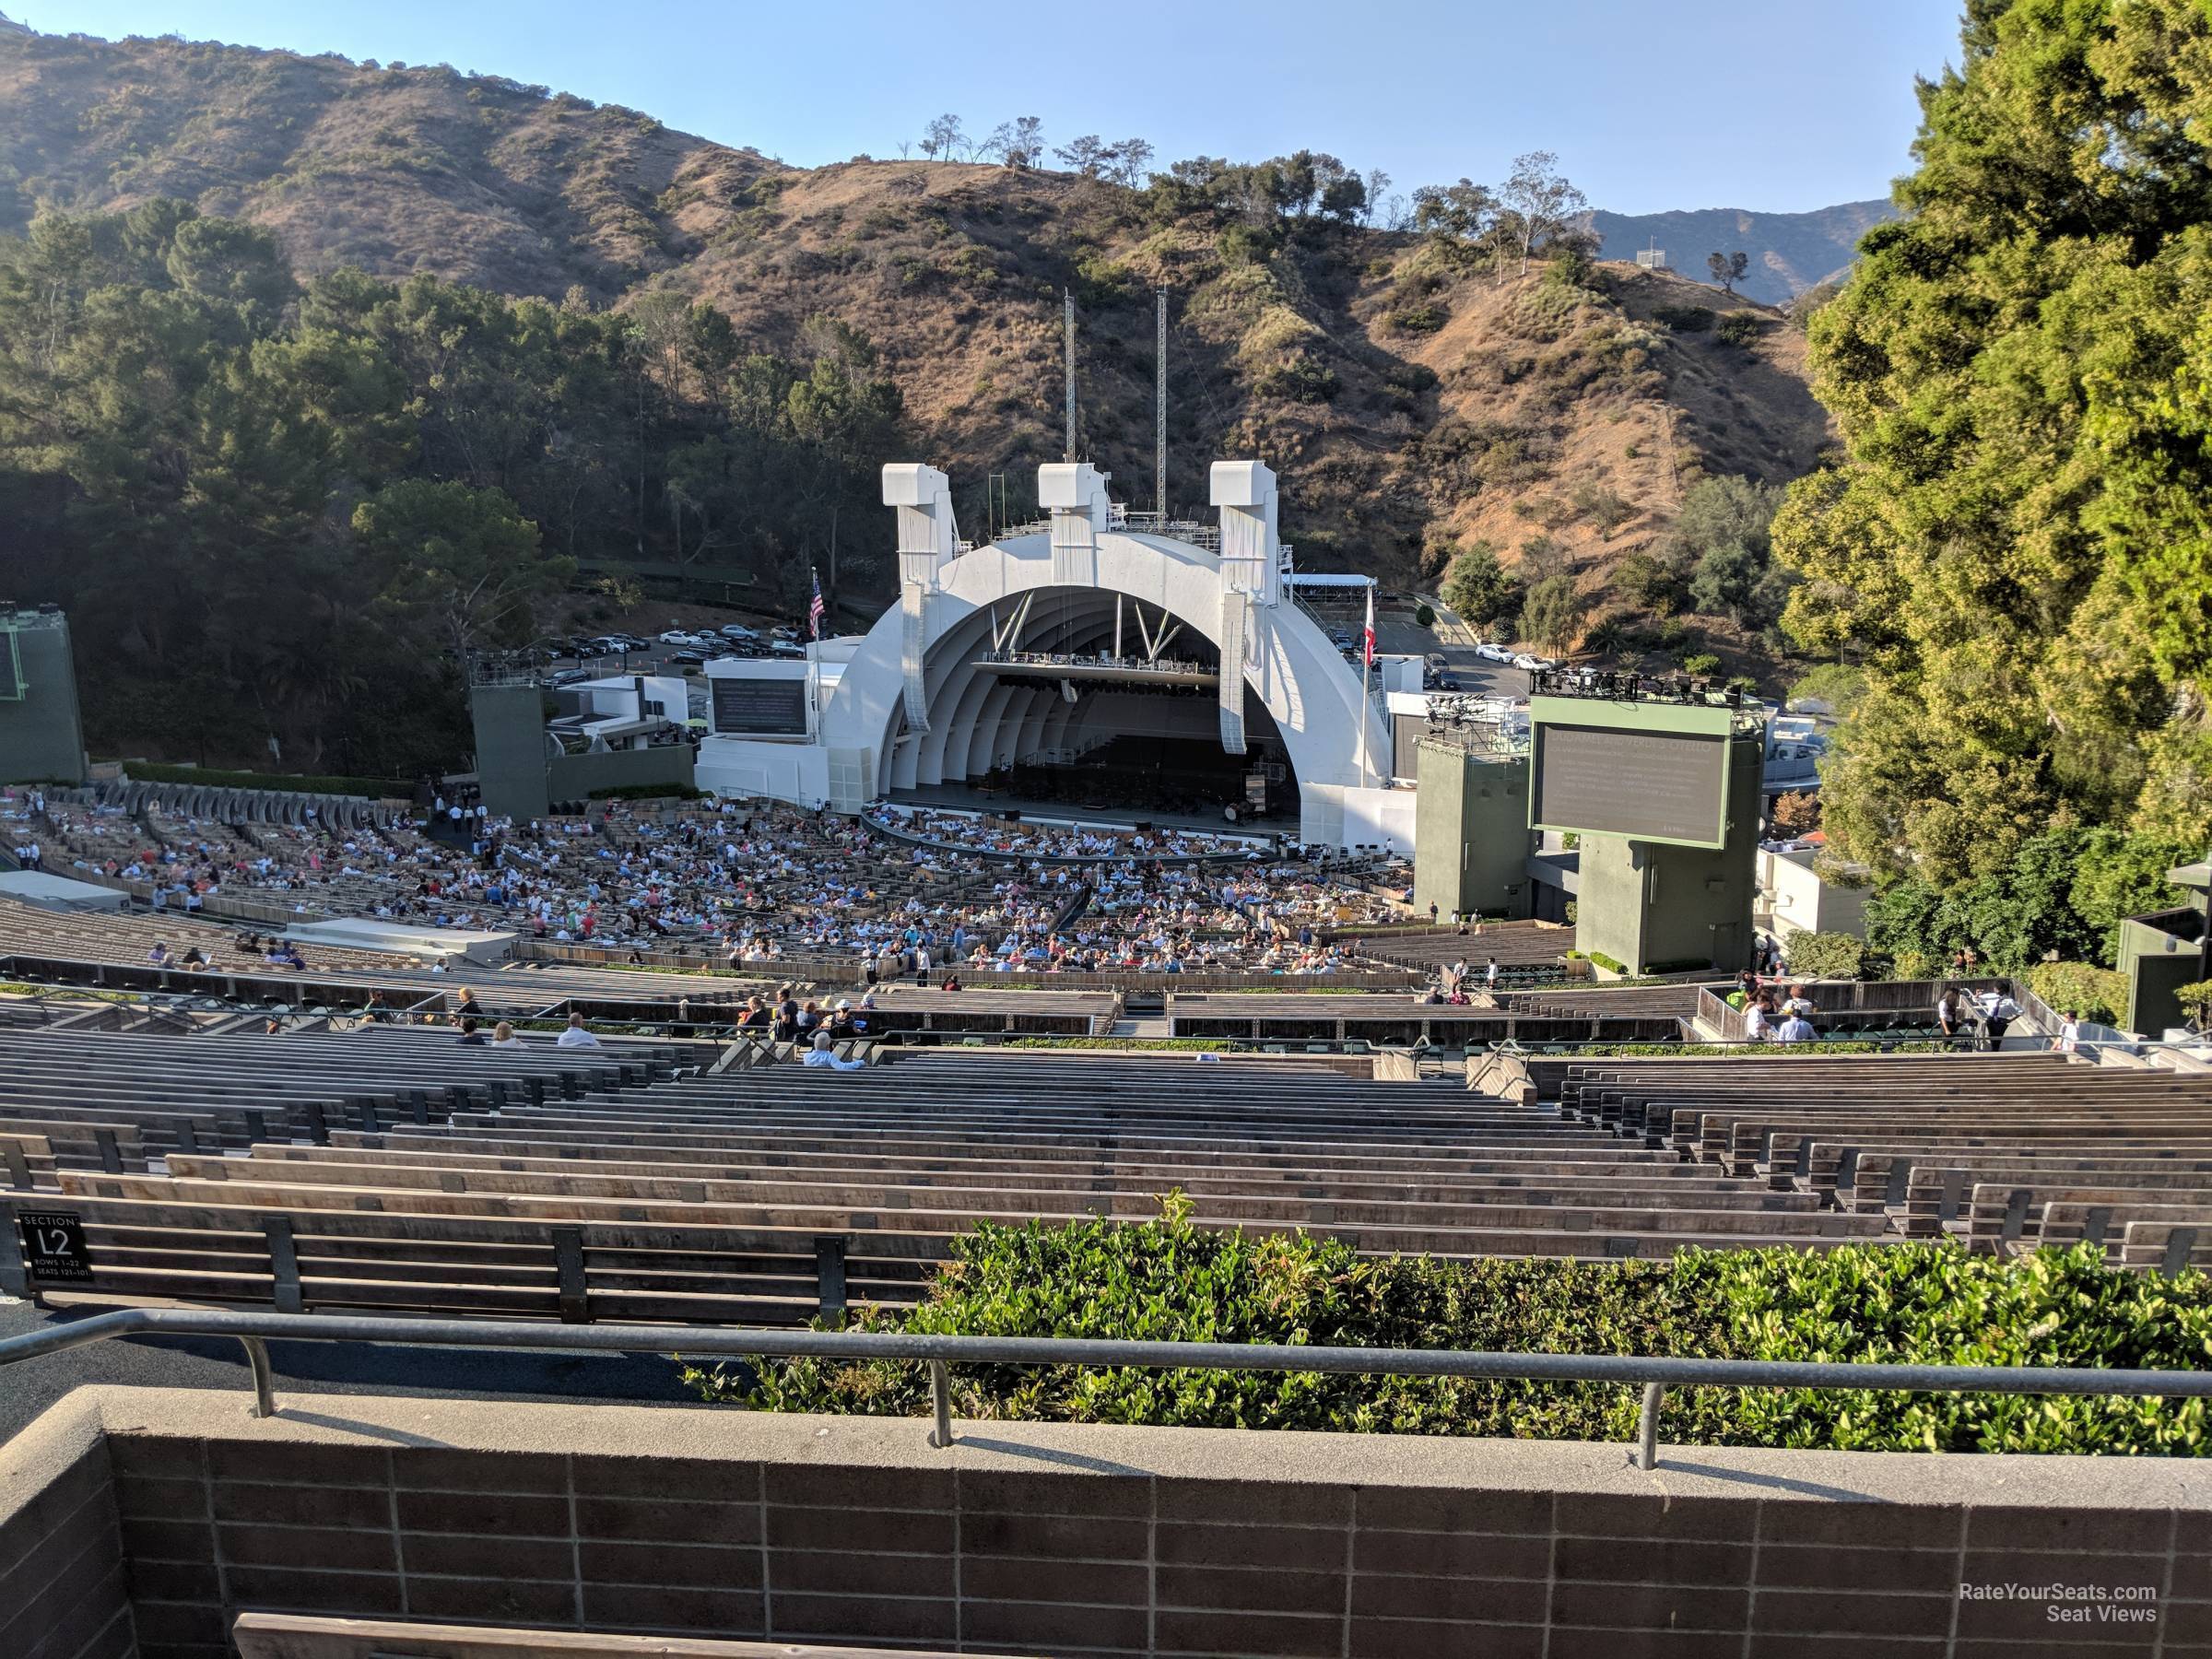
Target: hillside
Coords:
[[1790, 251], [1411, 395]]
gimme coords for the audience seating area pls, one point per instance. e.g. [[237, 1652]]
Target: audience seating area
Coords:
[[393, 1167], [2005, 1150], [580, 1185]]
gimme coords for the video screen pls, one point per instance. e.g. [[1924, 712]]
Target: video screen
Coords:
[[1649, 785], [759, 707]]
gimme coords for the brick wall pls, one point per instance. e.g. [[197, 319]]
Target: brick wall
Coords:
[[1106, 1541], [62, 1588]]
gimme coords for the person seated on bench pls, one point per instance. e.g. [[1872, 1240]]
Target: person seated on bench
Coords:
[[755, 1016], [839, 1024], [576, 1036], [952, 982], [469, 1034], [1797, 1002], [285, 955], [503, 1036], [159, 956], [195, 959], [824, 1053]]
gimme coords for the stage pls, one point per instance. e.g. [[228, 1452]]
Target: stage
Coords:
[[959, 797]]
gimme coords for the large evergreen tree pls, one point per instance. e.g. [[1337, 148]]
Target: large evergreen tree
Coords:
[[2018, 540]]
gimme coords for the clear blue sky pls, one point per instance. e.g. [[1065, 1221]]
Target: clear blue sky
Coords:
[[1651, 104]]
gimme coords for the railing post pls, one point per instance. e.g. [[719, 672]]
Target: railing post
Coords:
[[111, 1160], [1647, 1426], [19, 1167], [940, 1392], [257, 1361]]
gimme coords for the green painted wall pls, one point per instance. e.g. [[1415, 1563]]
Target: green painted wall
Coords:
[[2157, 963], [1470, 839], [573, 777], [511, 749], [1645, 903], [41, 735]]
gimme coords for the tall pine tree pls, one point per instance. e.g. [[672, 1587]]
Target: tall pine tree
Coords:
[[2018, 539]]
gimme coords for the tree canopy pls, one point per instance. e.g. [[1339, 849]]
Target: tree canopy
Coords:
[[281, 515], [2018, 538]]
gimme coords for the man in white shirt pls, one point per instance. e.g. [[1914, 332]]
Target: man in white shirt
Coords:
[[1795, 1028], [576, 1036]]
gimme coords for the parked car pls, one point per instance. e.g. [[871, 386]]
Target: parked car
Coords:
[[679, 636], [787, 648], [570, 676], [689, 659], [1447, 682], [1435, 660], [1494, 654], [1342, 641], [733, 630], [1529, 661]]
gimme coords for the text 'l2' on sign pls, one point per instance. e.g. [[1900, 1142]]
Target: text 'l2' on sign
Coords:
[[53, 1247]]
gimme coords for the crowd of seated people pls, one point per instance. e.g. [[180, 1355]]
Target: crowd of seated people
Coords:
[[764, 882]]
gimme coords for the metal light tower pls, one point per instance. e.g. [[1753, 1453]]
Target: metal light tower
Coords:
[[1160, 409], [1068, 331]]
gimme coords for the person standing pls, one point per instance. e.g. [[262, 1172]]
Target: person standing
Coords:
[[1946, 1012], [1998, 1012]]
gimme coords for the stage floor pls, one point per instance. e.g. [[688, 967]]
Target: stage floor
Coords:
[[976, 800]]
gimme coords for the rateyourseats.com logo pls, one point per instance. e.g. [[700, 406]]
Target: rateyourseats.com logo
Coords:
[[2075, 1603]]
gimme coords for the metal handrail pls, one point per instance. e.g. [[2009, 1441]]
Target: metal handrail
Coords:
[[1656, 1375]]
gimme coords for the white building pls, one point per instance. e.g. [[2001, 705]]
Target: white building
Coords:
[[1792, 899], [953, 682]]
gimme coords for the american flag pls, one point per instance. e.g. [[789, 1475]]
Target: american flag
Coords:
[[1371, 626], [814, 611]]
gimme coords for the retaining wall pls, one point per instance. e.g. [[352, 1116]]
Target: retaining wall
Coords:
[[1104, 1540]]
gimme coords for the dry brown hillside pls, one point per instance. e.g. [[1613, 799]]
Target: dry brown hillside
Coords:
[[1410, 399]]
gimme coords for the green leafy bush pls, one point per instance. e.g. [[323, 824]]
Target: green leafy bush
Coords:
[[2097, 995], [1424, 318], [2195, 999], [1685, 319], [648, 792], [1424, 615], [1607, 963], [149, 771], [1700, 662], [1829, 956], [1298, 380], [1168, 1281], [1738, 328]]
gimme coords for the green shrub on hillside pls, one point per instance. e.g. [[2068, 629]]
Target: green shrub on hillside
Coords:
[[1168, 1281]]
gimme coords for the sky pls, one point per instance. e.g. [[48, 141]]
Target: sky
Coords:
[[1649, 104]]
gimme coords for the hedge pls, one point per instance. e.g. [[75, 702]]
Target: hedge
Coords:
[[2097, 995], [1167, 1281], [147, 771]]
